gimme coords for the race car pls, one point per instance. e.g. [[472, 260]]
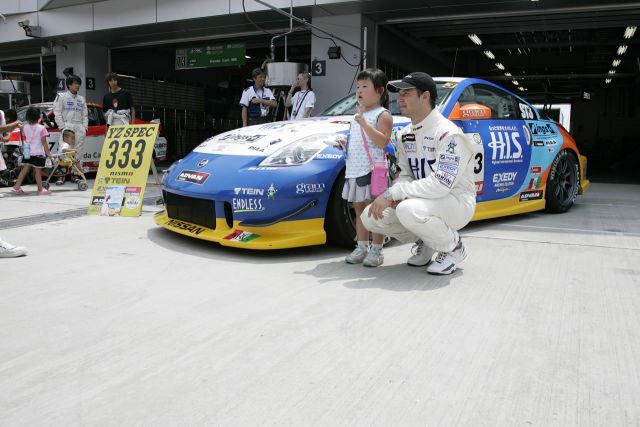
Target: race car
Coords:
[[279, 185], [92, 147]]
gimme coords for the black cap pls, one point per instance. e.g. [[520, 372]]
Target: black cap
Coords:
[[418, 80]]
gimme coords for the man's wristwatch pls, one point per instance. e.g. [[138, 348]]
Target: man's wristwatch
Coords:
[[387, 195]]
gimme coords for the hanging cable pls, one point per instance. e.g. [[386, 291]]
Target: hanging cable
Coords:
[[259, 28]]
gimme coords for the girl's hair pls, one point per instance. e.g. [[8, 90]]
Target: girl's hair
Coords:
[[379, 80], [32, 115]]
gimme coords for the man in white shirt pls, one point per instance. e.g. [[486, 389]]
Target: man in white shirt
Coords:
[[256, 100], [302, 101]]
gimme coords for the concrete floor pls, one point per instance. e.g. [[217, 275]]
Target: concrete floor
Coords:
[[114, 321]]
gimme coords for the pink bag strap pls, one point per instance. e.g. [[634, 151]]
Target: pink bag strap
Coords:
[[366, 145]]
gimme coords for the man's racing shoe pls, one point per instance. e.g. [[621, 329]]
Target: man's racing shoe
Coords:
[[421, 255], [374, 258], [357, 256], [447, 262], [7, 250]]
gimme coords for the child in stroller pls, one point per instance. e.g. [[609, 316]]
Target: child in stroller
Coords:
[[65, 163]]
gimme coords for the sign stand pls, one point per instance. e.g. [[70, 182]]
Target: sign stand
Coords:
[[154, 171]]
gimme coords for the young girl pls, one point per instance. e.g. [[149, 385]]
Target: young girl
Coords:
[[36, 136], [374, 119]]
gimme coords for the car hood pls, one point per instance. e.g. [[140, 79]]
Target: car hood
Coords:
[[266, 139]]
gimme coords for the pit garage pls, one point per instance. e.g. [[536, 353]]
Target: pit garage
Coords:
[[576, 60]]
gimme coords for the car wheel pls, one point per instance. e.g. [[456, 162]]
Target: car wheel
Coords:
[[563, 183], [340, 219]]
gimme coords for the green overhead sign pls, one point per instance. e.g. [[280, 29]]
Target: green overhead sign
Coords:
[[221, 55]]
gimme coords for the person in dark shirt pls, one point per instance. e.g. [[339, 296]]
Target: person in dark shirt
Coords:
[[117, 104]]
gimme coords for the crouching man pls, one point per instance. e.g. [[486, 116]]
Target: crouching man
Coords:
[[434, 196]]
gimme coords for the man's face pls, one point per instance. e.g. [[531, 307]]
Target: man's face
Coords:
[[74, 87], [113, 83], [259, 80], [411, 104]]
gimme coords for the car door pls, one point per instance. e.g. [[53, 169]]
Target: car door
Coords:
[[493, 119]]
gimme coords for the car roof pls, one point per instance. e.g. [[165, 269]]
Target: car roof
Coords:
[[49, 105]]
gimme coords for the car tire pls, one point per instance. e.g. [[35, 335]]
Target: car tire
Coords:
[[563, 183], [340, 222]]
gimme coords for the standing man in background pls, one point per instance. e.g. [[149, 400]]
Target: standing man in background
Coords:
[[302, 101], [72, 117], [70, 110], [256, 100], [117, 104]]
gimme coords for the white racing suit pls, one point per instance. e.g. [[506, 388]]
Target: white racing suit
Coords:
[[435, 188], [70, 112], [119, 117]]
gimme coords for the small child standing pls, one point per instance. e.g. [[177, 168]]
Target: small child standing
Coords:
[[373, 122], [35, 143]]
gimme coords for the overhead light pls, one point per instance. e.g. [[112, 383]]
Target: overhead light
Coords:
[[520, 88], [500, 66], [630, 31], [247, 56], [126, 75], [622, 49], [616, 62], [489, 54], [474, 38], [507, 74], [515, 82], [607, 81], [612, 71]]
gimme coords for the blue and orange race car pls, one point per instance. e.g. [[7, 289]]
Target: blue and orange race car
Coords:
[[279, 185]]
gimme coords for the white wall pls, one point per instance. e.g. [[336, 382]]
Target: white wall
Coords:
[[122, 13], [87, 60], [339, 74]]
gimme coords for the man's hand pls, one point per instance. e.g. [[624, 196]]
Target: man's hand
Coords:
[[376, 209], [256, 101]]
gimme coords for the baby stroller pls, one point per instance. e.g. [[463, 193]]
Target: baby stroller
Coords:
[[63, 163]]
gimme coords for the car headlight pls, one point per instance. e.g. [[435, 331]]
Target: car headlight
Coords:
[[301, 151]]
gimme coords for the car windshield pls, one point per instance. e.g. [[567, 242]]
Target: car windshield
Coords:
[[347, 105]]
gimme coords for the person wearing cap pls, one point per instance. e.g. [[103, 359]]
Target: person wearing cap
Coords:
[[256, 100], [434, 195]]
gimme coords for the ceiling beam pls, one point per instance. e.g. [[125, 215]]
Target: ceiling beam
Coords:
[[489, 45], [538, 12], [561, 76]]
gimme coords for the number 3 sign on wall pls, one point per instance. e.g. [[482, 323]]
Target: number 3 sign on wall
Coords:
[[318, 68]]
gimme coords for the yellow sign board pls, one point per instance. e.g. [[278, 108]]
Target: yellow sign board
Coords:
[[124, 169]]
